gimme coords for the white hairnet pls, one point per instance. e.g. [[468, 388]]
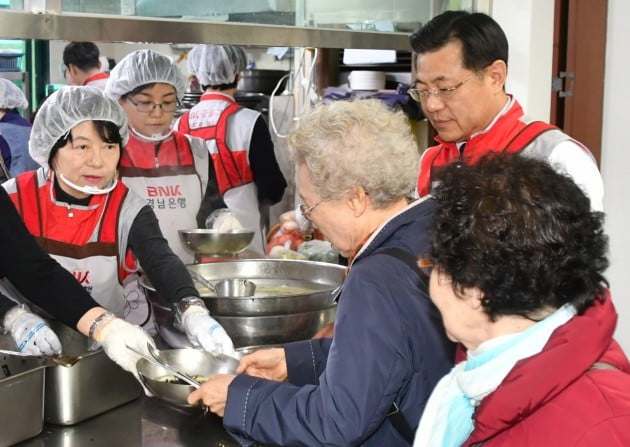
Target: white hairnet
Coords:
[[64, 109], [144, 67], [219, 64], [193, 59], [11, 97]]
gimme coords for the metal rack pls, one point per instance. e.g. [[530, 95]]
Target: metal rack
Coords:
[[112, 28]]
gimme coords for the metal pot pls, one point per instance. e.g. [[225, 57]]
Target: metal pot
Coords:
[[282, 286], [260, 81], [251, 331]]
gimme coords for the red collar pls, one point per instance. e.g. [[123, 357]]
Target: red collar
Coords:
[[96, 77]]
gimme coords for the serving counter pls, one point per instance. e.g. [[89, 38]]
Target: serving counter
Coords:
[[143, 422]]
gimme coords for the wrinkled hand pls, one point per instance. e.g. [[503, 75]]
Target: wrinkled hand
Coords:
[[31, 333], [115, 335], [266, 363], [213, 393], [204, 331]]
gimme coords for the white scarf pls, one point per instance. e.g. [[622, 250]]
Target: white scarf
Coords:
[[447, 419]]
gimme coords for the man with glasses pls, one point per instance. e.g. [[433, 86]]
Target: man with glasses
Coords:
[[460, 73], [171, 170]]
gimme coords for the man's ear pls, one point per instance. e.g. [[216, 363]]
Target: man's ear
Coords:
[[497, 73]]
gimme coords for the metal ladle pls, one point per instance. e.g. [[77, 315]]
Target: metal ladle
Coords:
[[236, 288]]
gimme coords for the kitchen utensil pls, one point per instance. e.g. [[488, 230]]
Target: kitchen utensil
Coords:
[[161, 363], [282, 286], [22, 397], [16, 353], [254, 330], [214, 243], [232, 288], [194, 362], [88, 384], [63, 360]]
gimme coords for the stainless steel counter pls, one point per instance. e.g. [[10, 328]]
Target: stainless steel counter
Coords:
[[143, 422]]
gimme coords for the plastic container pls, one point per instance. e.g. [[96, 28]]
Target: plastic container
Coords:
[[10, 61]]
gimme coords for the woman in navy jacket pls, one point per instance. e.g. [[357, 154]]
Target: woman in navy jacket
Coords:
[[356, 163]]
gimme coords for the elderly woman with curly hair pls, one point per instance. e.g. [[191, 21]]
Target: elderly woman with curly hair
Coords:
[[356, 164], [518, 278]]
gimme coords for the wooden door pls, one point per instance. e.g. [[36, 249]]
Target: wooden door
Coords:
[[578, 64]]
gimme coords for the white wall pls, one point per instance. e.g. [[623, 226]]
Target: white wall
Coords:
[[528, 25], [616, 161]]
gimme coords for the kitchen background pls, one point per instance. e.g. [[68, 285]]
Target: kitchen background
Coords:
[[528, 23]]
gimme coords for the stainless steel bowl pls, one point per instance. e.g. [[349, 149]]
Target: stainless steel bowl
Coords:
[[194, 362], [216, 243], [251, 331], [282, 286]]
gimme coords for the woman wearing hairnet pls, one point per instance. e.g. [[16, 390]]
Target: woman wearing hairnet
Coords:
[[50, 286], [93, 224], [14, 132], [170, 170], [238, 139]]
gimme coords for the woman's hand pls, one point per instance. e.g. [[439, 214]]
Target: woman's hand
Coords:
[[266, 363], [213, 393]]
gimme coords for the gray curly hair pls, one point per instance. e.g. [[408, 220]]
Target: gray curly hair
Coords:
[[345, 144]]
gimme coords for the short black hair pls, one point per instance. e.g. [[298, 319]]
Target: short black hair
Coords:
[[108, 131], [228, 86], [82, 54], [482, 39], [521, 232]]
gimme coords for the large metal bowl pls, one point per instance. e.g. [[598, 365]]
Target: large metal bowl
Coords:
[[282, 286], [250, 331], [216, 243], [191, 361]]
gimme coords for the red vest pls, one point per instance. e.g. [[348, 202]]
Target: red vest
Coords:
[[509, 133], [231, 166], [45, 220]]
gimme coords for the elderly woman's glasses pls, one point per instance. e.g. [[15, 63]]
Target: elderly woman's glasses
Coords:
[[306, 211], [422, 95], [148, 106]]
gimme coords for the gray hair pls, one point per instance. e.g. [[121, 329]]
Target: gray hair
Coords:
[[345, 144]]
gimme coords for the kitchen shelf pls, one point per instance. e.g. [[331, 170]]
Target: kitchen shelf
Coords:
[[113, 28]]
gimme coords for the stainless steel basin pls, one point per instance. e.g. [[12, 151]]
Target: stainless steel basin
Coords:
[[91, 386], [250, 331], [282, 286], [21, 397]]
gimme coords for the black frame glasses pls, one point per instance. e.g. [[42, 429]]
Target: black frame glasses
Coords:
[[148, 106]]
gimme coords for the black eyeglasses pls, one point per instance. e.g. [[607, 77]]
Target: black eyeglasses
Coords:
[[148, 106]]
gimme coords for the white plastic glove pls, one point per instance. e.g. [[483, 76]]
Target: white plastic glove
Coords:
[[31, 333], [204, 331], [115, 335]]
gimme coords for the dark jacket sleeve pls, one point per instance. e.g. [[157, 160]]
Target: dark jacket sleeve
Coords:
[[165, 270], [35, 274], [306, 360], [212, 199], [267, 174], [368, 364]]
